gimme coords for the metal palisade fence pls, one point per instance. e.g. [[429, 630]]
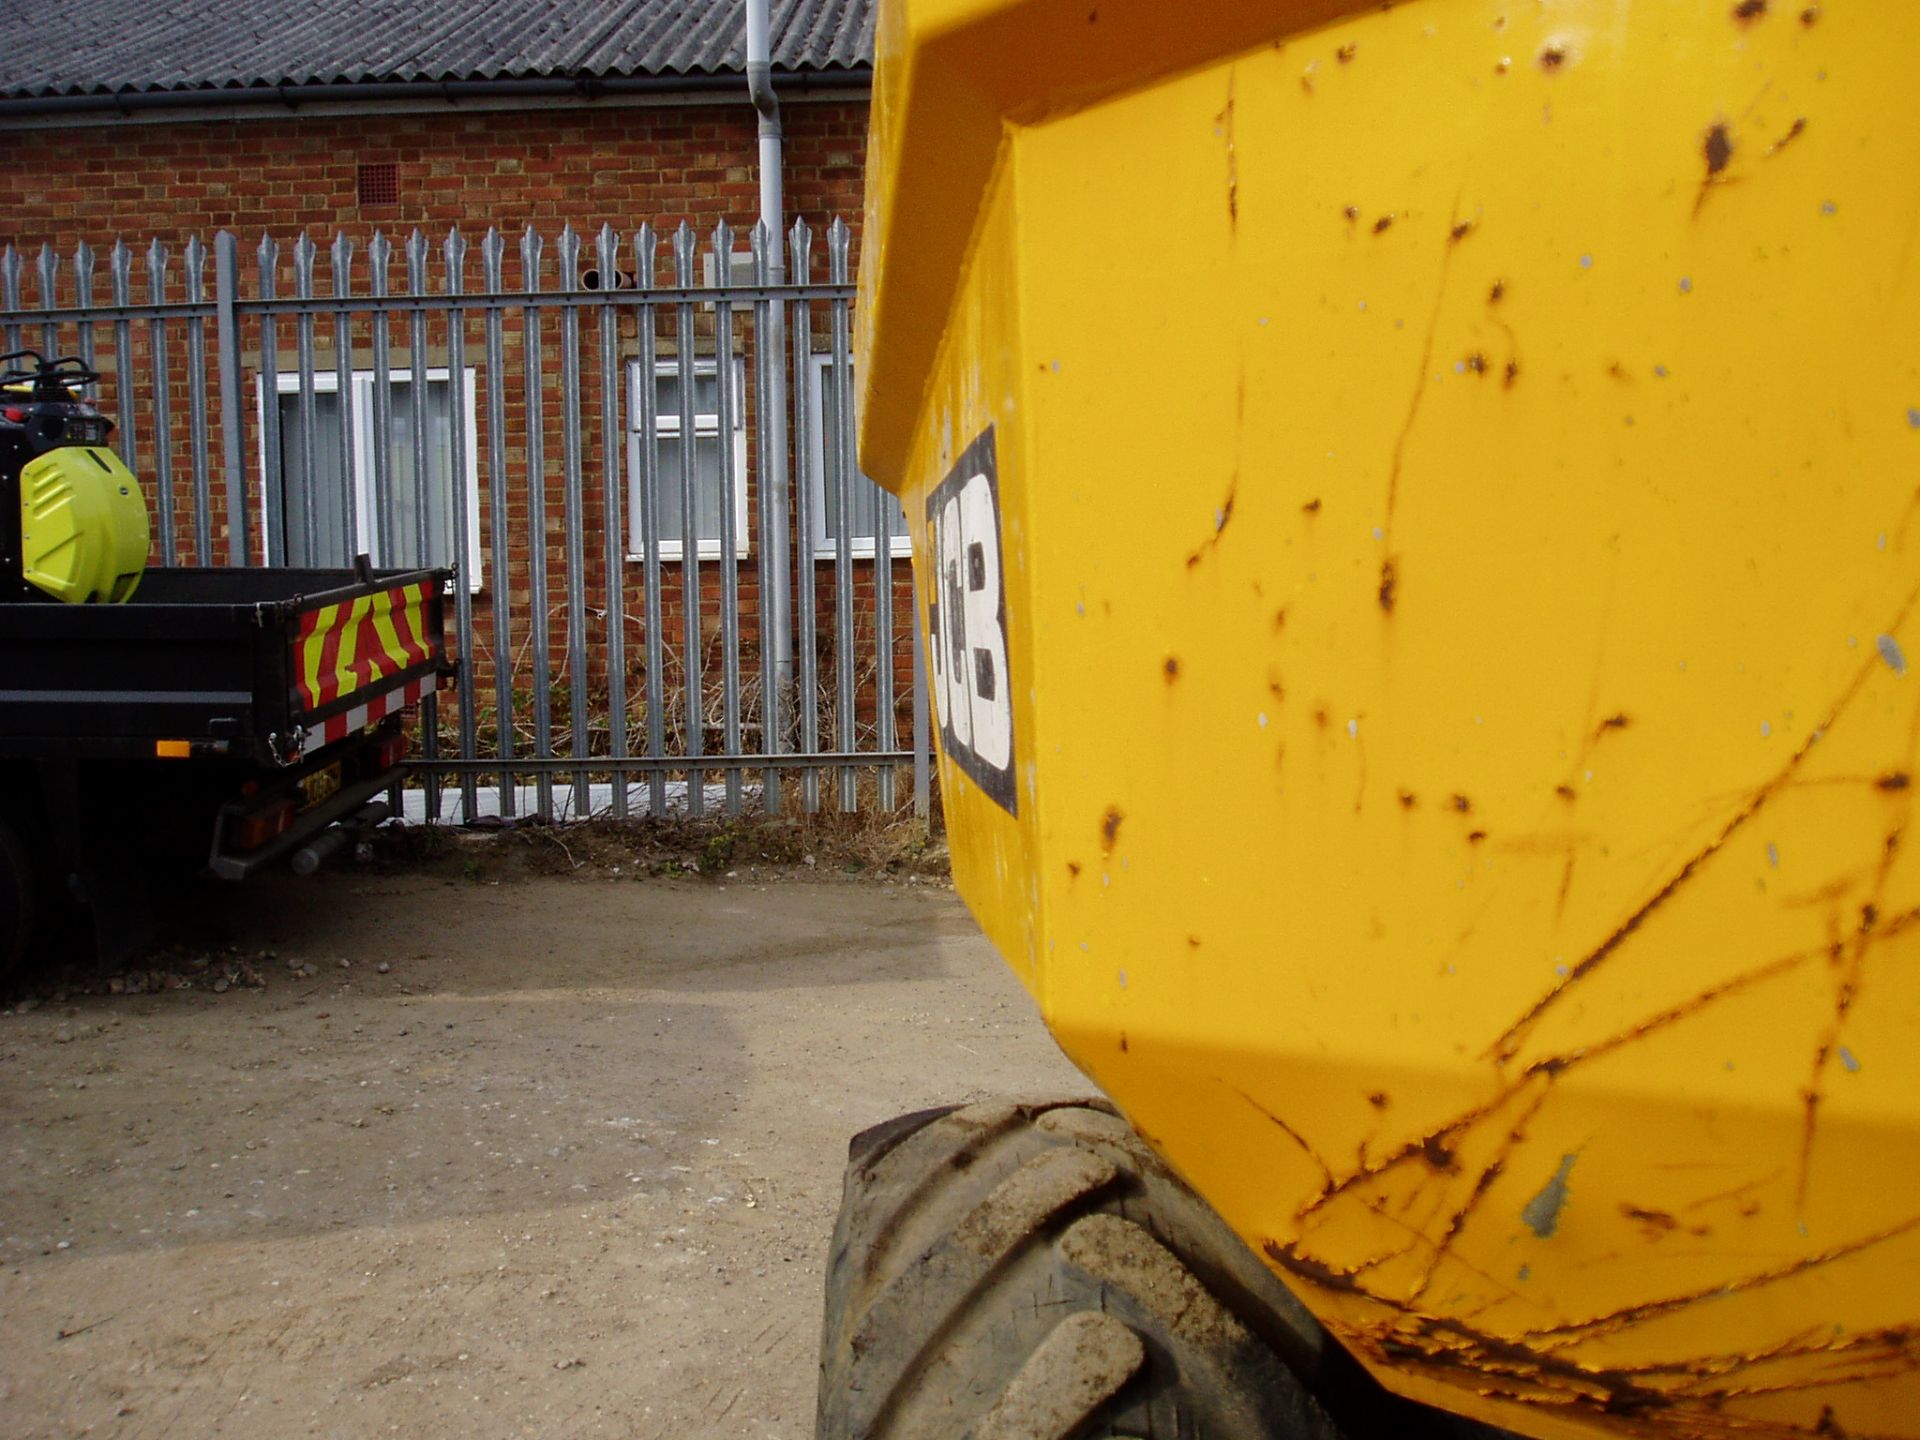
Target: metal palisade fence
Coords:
[[674, 590]]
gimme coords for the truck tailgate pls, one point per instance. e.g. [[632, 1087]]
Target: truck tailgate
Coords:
[[271, 663], [360, 657]]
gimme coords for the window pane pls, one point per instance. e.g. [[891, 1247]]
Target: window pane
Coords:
[[406, 488], [405, 494], [322, 543], [868, 499], [705, 456], [706, 482], [666, 394]]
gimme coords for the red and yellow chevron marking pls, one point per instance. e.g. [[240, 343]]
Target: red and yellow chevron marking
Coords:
[[344, 648]]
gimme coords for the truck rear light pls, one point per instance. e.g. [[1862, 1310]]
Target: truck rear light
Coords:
[[257, 827]]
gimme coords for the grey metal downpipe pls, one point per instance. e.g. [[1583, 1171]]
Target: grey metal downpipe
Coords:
[[777, 547]]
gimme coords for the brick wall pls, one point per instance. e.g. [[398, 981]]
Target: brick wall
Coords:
[[508, 168], [625, 165]]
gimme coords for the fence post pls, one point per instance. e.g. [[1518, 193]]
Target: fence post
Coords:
[[922, 741], [464, 533], [573, 504], [163, 496], [693, 657], [532, 343], [273, 494], [730, 406], [806, 623], [226, 285], [613, 473], [194, 259]]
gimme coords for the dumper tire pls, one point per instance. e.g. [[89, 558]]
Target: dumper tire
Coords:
[[1029, 1270]]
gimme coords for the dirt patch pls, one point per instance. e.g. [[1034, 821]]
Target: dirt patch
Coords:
[[566, 1166], [862, 844]]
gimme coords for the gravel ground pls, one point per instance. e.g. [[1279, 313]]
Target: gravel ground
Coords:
[[438, 1154]]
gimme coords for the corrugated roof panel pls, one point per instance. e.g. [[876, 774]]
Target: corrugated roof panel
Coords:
[[692, 36], [818, 34], [104, 46]]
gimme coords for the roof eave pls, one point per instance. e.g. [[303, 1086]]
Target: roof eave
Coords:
[[292, 98]]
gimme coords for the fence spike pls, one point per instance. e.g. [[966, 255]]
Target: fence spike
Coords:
[[157, 270], [341, 253], [304, 251], [722, 254], [455, 251], [800, 241], [492, 248], [839, 246], [417, 250], [646, 256], [684, 247], [568, 250], [757, 243], [379, 252], [530, 247], [49, 267], [606, 250]]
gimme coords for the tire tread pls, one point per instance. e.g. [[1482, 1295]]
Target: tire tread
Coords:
[[1029, 1270]]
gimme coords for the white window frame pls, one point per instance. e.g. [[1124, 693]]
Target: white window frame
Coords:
[[706, 426], [739, 274], [860, 547], [327, 382]]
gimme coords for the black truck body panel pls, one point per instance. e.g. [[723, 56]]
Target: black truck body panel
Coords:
[[203, 655]]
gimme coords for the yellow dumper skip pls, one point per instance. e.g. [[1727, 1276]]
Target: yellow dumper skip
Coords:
[[1416, 512]]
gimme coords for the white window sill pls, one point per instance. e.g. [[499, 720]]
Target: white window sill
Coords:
[[674, 557]]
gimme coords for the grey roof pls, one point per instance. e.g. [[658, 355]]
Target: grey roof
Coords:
[[92, 47]]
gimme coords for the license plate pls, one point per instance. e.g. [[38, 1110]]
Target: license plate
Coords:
[[320, 785]]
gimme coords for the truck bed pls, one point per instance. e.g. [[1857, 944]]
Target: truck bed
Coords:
[[209, 661]]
